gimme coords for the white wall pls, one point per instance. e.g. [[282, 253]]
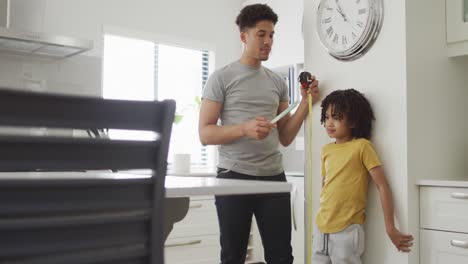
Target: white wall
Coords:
[[418, 95], [381, 76], [437, 91], [288, 46], [204, 24]]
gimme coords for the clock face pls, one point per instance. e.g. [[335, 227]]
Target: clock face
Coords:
[[347, 28]]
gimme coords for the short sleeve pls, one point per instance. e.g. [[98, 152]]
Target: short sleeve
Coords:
[[284, 92], [214, 88], [370, 158], [322, 163]]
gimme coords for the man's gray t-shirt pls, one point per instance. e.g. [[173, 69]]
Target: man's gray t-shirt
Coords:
[[247, 92]]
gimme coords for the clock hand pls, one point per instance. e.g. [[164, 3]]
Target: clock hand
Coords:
[[352, 24], [340, 10], [345, 18], [341, 13], [339, 7]]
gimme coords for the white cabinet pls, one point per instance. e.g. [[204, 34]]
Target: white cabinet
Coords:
[[457, 27], [439, 247], [444, 225], [195, 239]]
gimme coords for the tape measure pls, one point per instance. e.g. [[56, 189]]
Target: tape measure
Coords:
[[305, 78]]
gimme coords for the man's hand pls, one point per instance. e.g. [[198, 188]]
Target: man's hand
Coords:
[[258, 128], [401, 241], [312, 89]]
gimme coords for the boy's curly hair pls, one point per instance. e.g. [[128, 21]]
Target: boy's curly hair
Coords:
[[250, 15], [354, 106]]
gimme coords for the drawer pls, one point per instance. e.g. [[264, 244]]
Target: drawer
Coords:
[[438, 247], [201, 219], [444, 208], [193, 250]]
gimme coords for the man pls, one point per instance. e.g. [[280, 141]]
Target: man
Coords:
[[245, 96]]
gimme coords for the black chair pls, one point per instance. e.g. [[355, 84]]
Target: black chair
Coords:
[[60, 217]]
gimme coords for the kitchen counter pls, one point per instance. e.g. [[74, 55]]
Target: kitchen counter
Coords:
[[184, 186], [441, 183], [202, 173]]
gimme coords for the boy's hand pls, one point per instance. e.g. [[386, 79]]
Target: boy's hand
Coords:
[[401, 241]]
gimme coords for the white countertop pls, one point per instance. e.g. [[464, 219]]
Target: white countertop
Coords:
[[176, 186], [213, 173], [184, 186], [439, 183]]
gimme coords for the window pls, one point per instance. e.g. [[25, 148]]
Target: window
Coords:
[[138, 69]]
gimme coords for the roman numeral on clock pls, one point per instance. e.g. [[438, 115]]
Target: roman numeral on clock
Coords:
[[330, 31]]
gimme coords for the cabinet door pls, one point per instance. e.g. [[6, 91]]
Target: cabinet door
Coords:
[[439, 247], [195, 239], [201, 219], [444, 209], [192, 250]]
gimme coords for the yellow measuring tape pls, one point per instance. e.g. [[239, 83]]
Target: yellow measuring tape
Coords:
[[305, 78], [309, 201]]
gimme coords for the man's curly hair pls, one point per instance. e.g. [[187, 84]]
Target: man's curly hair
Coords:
[[354, 106], [250, 15]]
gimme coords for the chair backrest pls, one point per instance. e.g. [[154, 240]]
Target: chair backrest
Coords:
[[61, 217]]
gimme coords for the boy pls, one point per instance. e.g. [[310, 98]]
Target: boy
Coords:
[[346, 164]]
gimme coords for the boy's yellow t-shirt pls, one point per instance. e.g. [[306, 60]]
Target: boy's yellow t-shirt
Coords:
[[345, 172]]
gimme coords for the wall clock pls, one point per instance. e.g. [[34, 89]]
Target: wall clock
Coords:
[[348, 28]]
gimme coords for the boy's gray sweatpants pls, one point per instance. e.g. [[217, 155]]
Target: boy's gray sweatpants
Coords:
[[344, 247]]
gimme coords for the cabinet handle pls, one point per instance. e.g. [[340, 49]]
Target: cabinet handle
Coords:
[[293, 208], [180, 244], [459, 243], [459, 195], [195, 206]]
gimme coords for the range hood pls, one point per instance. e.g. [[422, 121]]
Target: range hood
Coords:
[[35, 43]]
